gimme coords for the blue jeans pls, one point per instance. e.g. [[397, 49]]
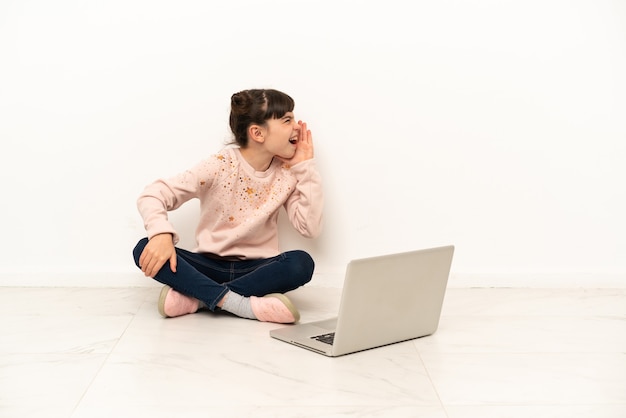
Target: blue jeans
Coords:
[[208, 279]]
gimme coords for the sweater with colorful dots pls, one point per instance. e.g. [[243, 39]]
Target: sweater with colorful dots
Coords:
[[239, 206]]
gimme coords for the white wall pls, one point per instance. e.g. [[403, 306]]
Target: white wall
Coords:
[[497, 126]]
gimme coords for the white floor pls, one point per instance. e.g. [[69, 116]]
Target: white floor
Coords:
[[85, 352]]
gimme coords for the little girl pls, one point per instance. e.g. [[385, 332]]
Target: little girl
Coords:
[[237, 265]]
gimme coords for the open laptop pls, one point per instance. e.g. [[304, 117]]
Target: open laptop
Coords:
[[385, 300]]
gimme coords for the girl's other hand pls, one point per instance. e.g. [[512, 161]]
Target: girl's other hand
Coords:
[[159, 250]]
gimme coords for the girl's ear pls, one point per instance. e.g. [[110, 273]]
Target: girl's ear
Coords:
[[256, 133]]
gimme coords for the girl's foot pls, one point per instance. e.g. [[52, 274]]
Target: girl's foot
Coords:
[[173, 303], [274, 307]]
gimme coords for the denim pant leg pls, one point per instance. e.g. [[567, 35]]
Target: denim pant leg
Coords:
[[209, 280], [287, 271], [187, 279]]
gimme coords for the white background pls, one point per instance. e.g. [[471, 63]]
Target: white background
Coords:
[[496, 126]]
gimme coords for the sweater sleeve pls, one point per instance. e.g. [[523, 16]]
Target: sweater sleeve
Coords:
[[305, 205], [165, 195]]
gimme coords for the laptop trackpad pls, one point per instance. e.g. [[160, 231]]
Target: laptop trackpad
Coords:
[[327, 324]]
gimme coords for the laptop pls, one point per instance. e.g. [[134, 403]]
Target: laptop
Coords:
[[385, 300]]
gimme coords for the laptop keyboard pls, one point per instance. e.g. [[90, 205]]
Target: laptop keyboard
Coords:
[[325, 338]]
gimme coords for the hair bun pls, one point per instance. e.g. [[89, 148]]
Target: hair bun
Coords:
[[241, 102]]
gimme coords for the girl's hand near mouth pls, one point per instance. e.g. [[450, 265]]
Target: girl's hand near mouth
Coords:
[[304, 150]]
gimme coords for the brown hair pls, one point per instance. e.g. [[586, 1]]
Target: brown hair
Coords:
[[254, 107]]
